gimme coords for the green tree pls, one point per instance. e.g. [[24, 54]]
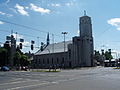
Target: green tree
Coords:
[[18, 49], [17, 58], [8, 48], [97, 55], [24, 60], [108, 55], [3, 57]]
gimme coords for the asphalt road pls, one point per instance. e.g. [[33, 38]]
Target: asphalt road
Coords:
[[77, 79]]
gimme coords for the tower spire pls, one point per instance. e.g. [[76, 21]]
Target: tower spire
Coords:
[[48, 39], [84, 12]]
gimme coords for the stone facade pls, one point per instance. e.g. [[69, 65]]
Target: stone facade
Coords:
[[86, 41], [78, 52]]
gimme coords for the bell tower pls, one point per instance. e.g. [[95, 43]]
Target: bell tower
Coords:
[[86, 44], [85, 26]]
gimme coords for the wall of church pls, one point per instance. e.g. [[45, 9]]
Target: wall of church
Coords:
[[58, 60], [86, 51], [75, 58]]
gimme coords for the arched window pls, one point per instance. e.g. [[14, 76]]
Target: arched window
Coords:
[[39, 61], [52, 60], [69, 51], [63, 60], [43, 61], [47, 61], [57, 60]]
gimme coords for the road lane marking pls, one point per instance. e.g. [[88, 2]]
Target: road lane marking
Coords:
[[14, 79], [62, 80], [55, 82], [45, 83], [17, 82]]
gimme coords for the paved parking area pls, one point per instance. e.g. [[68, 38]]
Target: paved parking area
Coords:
[[77, 79]]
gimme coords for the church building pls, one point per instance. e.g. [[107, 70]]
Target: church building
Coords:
[[75, 53]]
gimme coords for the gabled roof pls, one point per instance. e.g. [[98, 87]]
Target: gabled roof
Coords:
[[57, 47]]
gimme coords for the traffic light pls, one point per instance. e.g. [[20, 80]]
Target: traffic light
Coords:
[[20, 45], [32, 47], [109, 50], [7, 45], [102, 50]]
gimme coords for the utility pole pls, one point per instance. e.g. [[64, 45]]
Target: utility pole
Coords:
[[64, 33], [16, 39], [13, 47], [11, 32], [53, 42], [63, 63]]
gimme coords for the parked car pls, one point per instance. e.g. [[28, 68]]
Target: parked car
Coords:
[[24, 68], [5, 68]]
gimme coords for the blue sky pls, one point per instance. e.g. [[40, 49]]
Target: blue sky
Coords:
[[56, 16]]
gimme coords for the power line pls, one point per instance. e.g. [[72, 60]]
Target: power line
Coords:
[[22, 45], [1, 43], [20, 25], [30, 46], [30, 35], [21, 34], [4, 30], [102, 33], [27, 27]]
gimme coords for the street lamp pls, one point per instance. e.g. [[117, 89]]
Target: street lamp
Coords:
[[64, 33]]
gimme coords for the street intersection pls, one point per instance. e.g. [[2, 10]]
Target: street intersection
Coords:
[[98, 78]]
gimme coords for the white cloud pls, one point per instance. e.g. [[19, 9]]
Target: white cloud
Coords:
[[21, 10], [1, 22], [13, 10], [25, 43], [27, 7], [39, 9], [2, 13], [114, 22], [69, 4], [56, 5], [18, 36], [115, 53], [78, 32], [6, 14], [9, 15]]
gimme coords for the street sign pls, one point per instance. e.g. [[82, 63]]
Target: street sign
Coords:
[[8, 38], [21, 40], [32, 42]]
